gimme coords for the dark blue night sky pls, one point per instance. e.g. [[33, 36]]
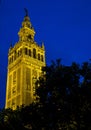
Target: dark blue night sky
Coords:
[[63, 25]]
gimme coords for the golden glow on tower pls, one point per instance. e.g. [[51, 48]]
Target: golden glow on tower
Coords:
[[25, 61]]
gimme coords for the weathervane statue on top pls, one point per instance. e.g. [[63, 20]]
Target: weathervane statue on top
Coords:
[[26, 11]]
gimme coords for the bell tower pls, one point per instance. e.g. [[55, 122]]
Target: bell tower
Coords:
[[25, 61], [27, 31]]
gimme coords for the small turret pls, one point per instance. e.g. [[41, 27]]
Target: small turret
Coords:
[[43, 45]]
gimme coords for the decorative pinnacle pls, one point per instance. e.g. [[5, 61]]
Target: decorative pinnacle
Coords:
[[26, 11]]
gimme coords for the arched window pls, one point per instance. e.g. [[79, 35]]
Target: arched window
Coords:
[[26, 51], [29, 52], [38, 56], [18, 53], [42, 58], [34, 53]]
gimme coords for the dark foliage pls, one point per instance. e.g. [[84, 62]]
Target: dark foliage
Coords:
[[64, 101]]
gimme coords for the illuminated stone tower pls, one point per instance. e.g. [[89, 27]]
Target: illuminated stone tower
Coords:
[[25, 61]]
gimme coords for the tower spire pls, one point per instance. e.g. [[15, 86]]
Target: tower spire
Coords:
[[26, 32]]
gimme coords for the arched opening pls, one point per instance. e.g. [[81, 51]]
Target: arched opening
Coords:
[[34, 53]]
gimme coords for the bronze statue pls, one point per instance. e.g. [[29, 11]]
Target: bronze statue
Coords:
[[26, 11]]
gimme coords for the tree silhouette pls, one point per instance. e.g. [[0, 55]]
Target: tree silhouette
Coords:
[[63, 101], [65, 94]]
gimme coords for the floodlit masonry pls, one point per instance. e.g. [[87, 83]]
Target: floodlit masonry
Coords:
[[25, 61]]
